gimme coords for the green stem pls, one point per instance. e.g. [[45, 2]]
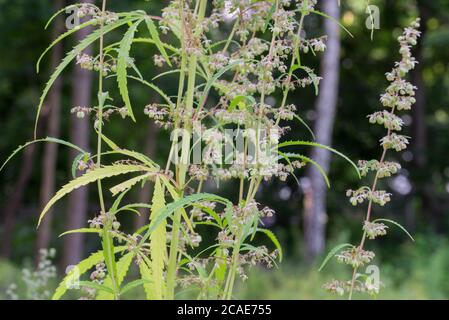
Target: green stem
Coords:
[[231, 36], [185, 154], [107, 240]]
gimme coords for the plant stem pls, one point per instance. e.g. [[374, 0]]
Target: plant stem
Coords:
[[369, 210], [107, 240], [185, 151]]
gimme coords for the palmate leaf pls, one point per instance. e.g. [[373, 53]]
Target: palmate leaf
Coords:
[[89, 177], [73, 275], [71, 55], [122, 269], [158, 241], [318, 145], [157, 41], [122, 65]]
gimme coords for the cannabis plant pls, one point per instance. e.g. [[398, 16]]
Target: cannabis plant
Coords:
[[223, 126], [399, 96]]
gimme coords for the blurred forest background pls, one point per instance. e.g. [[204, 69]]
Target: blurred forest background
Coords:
[[310, 219]]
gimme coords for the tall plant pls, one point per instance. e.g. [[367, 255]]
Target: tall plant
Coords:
[[224, 85], [399, 96]]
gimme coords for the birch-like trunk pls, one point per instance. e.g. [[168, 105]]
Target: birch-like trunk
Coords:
[[315, 216], [78, 200]]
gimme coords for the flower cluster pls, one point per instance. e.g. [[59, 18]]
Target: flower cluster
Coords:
[[359, 196], [389, 120], [394, 141], [37, 280], [356, 257], [341, 287], [90, 63], [383, 169], [92, 11], [374, 229]]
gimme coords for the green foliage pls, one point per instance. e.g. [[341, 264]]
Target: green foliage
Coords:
[[158, 241], [89, 177], [212, 270], [122, 64]]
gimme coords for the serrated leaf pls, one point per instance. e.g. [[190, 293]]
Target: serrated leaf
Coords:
[[89, 177], [175, 197], [71, 55], [158, 241], [181, 203], [128, 184], [145, 274], [122, 270], [157, 40], [133, 284], [122, 65], [73, 275], [60, 38]]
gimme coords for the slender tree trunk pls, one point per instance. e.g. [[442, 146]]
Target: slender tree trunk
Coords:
[[423, 190], [15, 202], [51, 149], [146, 192], [315, 199], [79, 135]]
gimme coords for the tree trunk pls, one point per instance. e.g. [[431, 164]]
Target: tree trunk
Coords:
[[419, 126], [53, 109], [315, 199], [79, 135], [146, 192]]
